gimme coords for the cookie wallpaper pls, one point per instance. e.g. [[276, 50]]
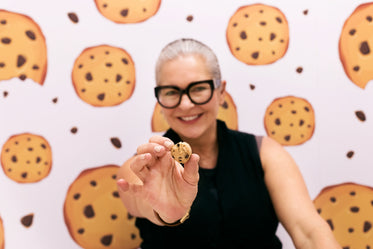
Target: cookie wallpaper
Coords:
[[76, 98]]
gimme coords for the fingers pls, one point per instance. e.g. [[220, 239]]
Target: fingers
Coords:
[[190, 174], [157, 145], [140, 164]]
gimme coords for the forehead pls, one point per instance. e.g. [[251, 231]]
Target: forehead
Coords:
[[184, 69]]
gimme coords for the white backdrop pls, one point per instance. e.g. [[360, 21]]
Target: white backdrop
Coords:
[[28, 107]]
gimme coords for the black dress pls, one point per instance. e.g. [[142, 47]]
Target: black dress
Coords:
[[232, 208]]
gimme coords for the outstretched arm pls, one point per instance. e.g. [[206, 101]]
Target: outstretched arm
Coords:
[[291, 200], [153, 180]]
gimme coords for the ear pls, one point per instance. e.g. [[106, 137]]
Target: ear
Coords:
[[222, 92]]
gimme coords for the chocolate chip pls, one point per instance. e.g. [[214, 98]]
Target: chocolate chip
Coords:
[[130, 216], [55, 100], [330, 222], [263, 23], [255, 55], [118, 78], [114, 216], [35, 67], [76, 196], [252, 87], [2, 64], [287, 137], [81, 230], [116, 194], [106, 240], [356, 68], [299, 69], [74, 130], [352, 193], [364, 48], [369, 18], [5, 94], [352, 31], [24, 175], [125, 61], [272, 36], [124, 12], [30, 34], [350, 154], [108, 64], [101, 96], [225, 105], [6, 40], [114, 176], [14, 159], [133, 236], [354, 209], [301, 122], [305, 12], [73, 17], [93, 183], [319, 210], [306, 109], [333, 199], [38, 159], [88, 76], [278, 19], [278, 121], [189, 18], [360, 115], [350, 230], [88, 211], [27, 220], [3, 22], [21, 60], [116, 142], [243, 35], [22, 77], [367, 226]]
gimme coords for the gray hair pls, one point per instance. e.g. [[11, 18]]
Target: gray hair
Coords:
[[189, 46]]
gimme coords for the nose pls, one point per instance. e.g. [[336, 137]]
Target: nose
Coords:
[[185, 102]]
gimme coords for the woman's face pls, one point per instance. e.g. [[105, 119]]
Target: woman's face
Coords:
[[189, 120]]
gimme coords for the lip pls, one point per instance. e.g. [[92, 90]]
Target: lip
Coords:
[[190, 118]]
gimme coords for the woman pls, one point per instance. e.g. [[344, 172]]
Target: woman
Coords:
[[234, 189]]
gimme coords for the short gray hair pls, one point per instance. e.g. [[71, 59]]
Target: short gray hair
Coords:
[[189, 46]]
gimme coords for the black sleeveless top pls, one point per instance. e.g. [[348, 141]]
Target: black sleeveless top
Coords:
[[232, 208]]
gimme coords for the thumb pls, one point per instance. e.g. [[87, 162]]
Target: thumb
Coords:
[[191, 167]]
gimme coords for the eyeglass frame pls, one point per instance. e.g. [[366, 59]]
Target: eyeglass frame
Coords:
[[213, 83]]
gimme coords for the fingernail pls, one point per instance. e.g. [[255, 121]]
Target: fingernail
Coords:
[[142, 156], [158, 148], [167, 144]]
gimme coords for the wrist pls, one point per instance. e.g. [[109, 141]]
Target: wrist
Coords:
[[172, 224]]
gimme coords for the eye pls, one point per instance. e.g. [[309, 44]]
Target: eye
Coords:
[[170, 92], [200, 88]]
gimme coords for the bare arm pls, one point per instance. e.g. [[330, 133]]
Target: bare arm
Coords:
[[291, 200], [153, 180]]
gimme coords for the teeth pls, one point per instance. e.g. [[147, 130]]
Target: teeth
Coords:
[[189, 118]]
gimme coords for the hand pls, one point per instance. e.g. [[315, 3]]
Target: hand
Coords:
[[164, 184]]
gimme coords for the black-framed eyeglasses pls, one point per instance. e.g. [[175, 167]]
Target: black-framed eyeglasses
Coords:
[[199, 93]]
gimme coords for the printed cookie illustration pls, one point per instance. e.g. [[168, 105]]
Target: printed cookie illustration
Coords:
[[258, 34], [348, 209], [290, 120], [94, 214], [356, 44], [128, 11], [227, 113], [22, 48], [2, 237], [104, 76], [26, 158], [181, 152]]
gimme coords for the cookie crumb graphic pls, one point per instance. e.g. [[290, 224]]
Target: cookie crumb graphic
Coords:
[[27, 220], [54, 100], [360, 115], [189, 18], [73, 17], [116, 142], [252, 87], [181, 152], [350, 154], [74, 130], [305, 12], [299, 70], [5, 94]]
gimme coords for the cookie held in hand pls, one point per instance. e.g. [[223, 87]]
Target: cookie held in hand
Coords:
[[181, 152]]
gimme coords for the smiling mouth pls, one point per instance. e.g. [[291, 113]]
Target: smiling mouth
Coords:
[[190, 118]]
